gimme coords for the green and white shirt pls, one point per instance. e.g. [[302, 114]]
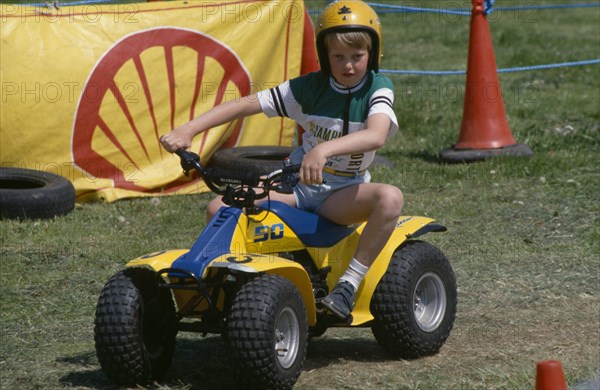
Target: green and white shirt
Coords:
[[325, 110]]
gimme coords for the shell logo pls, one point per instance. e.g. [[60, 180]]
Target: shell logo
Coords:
[[146, 84]]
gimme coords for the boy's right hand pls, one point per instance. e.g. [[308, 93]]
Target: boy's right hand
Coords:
[[176, 139]]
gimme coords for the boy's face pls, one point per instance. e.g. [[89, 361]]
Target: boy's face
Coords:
[[348, 65]]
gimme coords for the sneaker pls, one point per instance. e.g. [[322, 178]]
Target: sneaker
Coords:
[[340, 300]]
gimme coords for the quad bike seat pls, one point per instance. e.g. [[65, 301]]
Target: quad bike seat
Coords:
[[312, 229]]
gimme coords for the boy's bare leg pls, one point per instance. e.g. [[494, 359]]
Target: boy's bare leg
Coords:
[[378, 204]]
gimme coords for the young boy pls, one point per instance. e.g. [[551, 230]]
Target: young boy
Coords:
[[346, 111]]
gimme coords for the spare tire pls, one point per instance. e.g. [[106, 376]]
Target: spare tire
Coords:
[[261, 159], [31, 194]]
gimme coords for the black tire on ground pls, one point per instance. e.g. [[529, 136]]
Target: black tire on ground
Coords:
[[262, 159], [31, 194], [414, 304], [135, 328], [267, 334]]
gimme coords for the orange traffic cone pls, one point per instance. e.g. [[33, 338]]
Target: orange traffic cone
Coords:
[[309, 52], [550, 376], [484, 131]]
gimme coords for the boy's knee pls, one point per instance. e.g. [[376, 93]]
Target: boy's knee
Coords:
[[392, 200], [213, 207]]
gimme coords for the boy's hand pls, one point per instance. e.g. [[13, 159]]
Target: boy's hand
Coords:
[[176, 139], [311, 171]]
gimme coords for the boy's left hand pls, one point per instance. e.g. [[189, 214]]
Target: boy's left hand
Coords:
[[311, 171]]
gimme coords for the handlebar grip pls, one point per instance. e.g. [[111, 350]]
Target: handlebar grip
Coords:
[[186, 155]]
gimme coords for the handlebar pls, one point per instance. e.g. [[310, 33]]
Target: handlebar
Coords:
[[238, 188]]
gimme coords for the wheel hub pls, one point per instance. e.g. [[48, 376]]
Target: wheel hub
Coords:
[[429, 301], [287, 336]]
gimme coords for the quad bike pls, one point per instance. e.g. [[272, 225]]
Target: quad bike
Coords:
[[256, 275]]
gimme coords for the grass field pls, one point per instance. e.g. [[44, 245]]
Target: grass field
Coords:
[[523, 234]]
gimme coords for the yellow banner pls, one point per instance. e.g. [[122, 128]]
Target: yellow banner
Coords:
[[88, 90]]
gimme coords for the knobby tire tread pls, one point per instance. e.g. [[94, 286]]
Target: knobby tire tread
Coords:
[[250, 333], [117, 332], [394, 326]]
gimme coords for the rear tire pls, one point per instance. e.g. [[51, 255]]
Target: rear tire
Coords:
[[135, 328], [267, 333], [414, 304]]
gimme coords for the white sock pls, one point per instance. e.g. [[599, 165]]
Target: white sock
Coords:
[[355, 273]]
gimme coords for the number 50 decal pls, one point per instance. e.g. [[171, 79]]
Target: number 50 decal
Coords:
[[265, 232]]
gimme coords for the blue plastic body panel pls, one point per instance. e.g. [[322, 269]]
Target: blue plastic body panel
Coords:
[[214, 241]]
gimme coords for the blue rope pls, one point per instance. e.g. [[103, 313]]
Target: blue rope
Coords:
[[544, 7], [504, 70], [408, 9], [549, 66], [423, 72], [488, 8]]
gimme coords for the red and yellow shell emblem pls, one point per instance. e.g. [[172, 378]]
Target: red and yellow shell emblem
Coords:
[[147, 84]]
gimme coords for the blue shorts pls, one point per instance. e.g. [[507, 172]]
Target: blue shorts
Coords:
[[310, 197]]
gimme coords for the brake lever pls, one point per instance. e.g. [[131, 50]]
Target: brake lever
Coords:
[[288, 181]]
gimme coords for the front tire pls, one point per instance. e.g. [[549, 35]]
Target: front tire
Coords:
[[135, 328], [267, 333], [414, 304]]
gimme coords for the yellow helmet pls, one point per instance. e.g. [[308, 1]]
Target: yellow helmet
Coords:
[[349, 15]]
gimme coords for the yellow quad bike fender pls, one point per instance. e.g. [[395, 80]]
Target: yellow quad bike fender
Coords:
[[339, 256], [249, 263]]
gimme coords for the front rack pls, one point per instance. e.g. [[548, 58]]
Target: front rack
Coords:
[[202, 293]]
